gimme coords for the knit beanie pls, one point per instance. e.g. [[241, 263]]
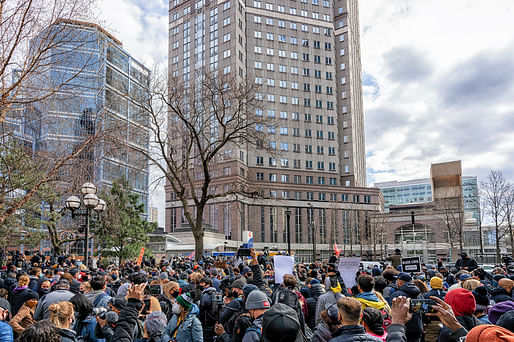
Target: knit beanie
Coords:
[[155, 323], [499, 309], [436, 283], [507, 321], [480, 294], [489, 332], [462, 302], [185, 301]]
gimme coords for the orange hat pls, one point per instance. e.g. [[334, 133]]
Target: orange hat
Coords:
[[489, 333]]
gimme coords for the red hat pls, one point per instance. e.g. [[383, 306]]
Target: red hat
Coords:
[[462, 302], [489, 333]]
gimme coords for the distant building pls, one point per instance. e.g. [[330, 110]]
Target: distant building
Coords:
[[420, 191], [305, 58], [153, 214], [105, 95]]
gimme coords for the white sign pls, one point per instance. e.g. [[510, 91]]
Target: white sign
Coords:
[[348, 268], [284, 264]]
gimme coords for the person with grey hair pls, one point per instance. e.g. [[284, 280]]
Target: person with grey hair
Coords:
[[61, 293]]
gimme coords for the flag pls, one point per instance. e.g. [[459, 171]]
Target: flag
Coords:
[[140, 258], [192, 255], [336, 250]]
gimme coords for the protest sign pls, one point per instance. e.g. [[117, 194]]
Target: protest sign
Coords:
[[348, 268], [284, 264], [411, 264]]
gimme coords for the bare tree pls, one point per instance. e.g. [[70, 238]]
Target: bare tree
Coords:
[[509, 213], [495, 191], [451, 216], [377, 226], [30, 44], [201, 129]]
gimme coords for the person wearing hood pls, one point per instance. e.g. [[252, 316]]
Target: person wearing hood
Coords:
[[463, 305], [323, 331], [184, 326], [44, 288], [21, 294], [406, 288], [316, 291], [367, 296], [207, 316], [332, 295], [503, 292]]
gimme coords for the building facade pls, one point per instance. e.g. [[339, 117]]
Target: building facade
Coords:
[[304, 58], [420, 191], [102, 93]]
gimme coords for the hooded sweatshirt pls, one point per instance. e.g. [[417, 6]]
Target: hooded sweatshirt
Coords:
[[370, 299], [414, 327]]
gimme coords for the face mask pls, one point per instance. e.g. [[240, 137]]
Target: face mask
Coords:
[[176, 308], [45, 290], [175, 294], [234, 294]]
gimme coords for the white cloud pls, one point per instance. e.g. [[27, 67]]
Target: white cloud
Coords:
[[444, 71]]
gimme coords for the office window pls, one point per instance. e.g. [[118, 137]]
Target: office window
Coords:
[[226, 70], [257, 19], [293, 12], [281, 23], [295, 116], [308, 133], [257, 34], [282, 83], [269, 36], [294, 85], [270, 82], [308, 164], [304, 13], [272, 177], [281, 38], [331, 151], [321, 180], [226, 54], [294, 55], [226, 37], [271, 113], [283, 99], [272, 161], [292, 24], [293, 40], [284, 178], [321, 165], [226, 21], [283, 131], [282, 53], [273, 145], [259, 176], [270, 67], [282, 68], [281, 9], [269, 6], [271, 98], [309, 179], [257, 49], [270, 52], [259, 160], [333, 181], [258, 65], [294, 70], [297, 179], [332, 166], [269, 21], [308, 148]]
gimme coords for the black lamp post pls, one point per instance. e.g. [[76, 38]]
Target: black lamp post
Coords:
[[311, 224], [288, 225], [91, 202]]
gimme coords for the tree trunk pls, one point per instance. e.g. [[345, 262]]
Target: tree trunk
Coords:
[[511, 239], [198, 232], [497, 238]]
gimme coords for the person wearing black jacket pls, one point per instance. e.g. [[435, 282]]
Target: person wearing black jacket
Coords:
[[406, 288], [503, 293], [126, 326], [466, 263], [350, 315]]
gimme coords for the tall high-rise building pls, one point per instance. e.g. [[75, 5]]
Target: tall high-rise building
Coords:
[[304, 57], [102, 91]]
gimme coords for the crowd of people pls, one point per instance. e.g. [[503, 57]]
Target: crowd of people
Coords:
[[234, 300]]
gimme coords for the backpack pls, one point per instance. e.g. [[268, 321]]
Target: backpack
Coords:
[[386, 317], [289, 298], [257, 330], [211, 307], [242, 322]]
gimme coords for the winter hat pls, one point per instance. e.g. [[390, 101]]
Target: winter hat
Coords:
[[185, 301], [436, 283], [31, 295], [118, 302], [245, 270], [257, 300], [239, 283], [462, 302], [498, 310], [155, 323], [280, 324], [404, 276], [163, 276], [314, 281], [489, 332], [249, 288], [122, 290], [507, 320], [4, 304], [464, 276], [480, 294]]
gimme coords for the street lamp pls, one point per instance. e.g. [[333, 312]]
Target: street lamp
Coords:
[[91, 202], [288, 225], [311, 224]]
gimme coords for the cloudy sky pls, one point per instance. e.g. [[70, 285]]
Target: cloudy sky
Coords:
[[438, 79]]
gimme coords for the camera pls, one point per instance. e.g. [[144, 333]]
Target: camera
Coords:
[[422, 305], [100, 312], [153, 290], [217, 298]]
